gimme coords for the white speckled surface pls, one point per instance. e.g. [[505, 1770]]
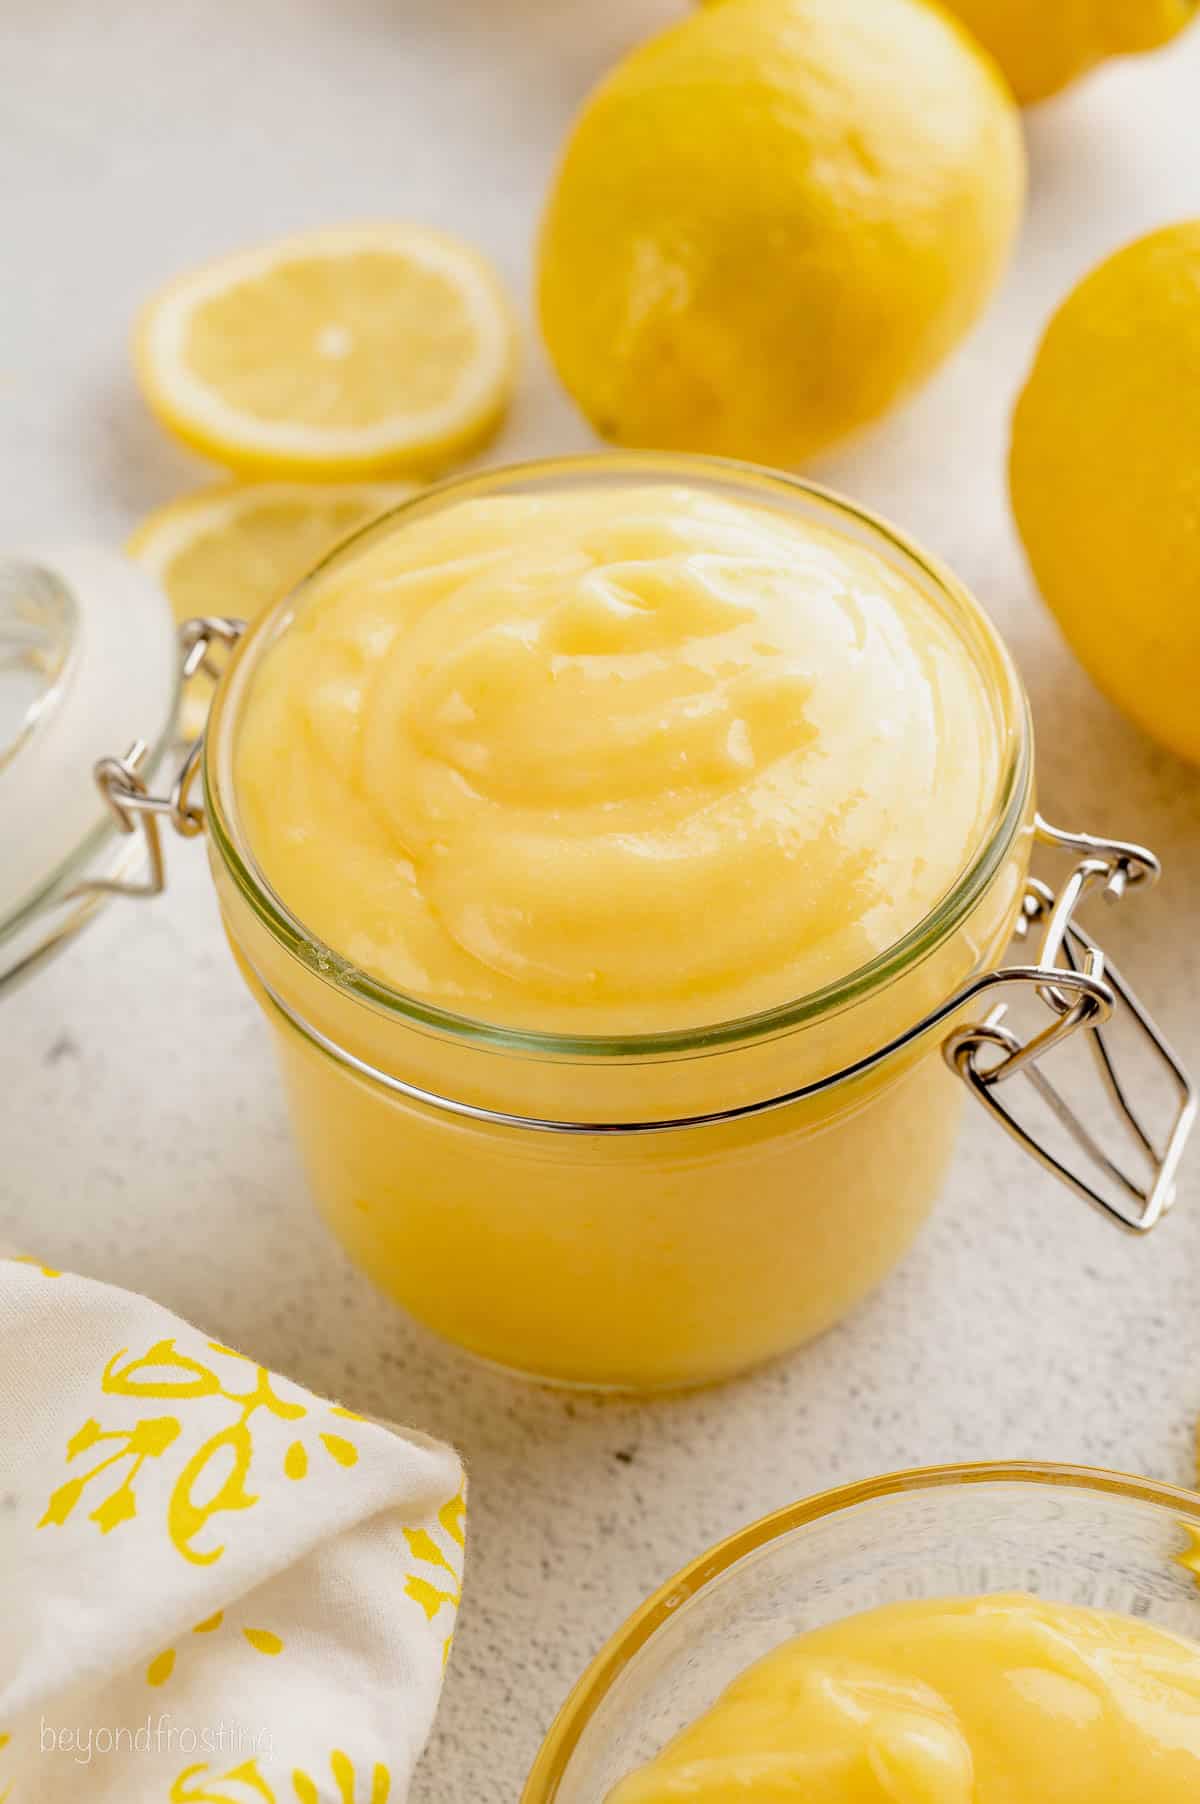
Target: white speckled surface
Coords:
[[143, 1138]]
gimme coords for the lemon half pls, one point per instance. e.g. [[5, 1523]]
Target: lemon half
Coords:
[[348, 352]]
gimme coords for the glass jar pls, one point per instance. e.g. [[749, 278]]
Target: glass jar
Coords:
[[1062, 1532], [666, 1209]]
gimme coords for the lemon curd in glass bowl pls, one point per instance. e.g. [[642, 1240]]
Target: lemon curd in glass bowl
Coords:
[[612, 793], [960, 1635]]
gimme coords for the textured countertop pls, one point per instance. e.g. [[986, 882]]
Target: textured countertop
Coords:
[[142, 1134]]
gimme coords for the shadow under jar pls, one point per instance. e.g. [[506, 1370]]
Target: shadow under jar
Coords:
[[658, 1208]]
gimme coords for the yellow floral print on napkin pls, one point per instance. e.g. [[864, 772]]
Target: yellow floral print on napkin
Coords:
[[164, 1373], [434, 1594], [249, 1786], [263, 1641], [256, 1527]]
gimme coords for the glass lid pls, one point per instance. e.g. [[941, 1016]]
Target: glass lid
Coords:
[[38, 619], [88, 659]]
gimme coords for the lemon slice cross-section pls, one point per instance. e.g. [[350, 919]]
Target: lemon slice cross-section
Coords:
[[347, 352]]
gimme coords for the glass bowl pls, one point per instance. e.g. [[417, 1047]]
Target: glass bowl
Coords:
[[1064, 1532]]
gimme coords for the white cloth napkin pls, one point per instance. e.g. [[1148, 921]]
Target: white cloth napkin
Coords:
[[215, 1588]]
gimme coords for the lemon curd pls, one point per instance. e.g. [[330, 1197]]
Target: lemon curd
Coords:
[[984, 1700], [604, 803], [617, 761]]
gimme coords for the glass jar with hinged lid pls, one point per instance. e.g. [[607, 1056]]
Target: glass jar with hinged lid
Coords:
[[661, 1194]]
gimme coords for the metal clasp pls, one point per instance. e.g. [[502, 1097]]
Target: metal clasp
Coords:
[[124, 789], [1082, 989]]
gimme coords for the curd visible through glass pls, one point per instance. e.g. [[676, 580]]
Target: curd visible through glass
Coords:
[[573, 765], [983, 1700], [614, 761]]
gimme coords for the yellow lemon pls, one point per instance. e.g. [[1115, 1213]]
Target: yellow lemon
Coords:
[[348, 352], [775, 218], [1042, 45], [1105, 478], [235, 549]]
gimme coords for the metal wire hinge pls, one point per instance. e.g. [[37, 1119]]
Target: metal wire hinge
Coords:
[[1082, 990], [121, 783]]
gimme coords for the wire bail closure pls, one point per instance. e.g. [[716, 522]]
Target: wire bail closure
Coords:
[[1071, 977], [123, 787], [1082, 988]]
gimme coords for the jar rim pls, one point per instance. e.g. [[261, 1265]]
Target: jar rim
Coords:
[[938, 924], [603, 1671]]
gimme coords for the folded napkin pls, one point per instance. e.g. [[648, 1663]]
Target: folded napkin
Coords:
[[215, 1588]]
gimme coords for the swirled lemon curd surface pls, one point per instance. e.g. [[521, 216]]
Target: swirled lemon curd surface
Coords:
[[614, 760], [988, 1700]]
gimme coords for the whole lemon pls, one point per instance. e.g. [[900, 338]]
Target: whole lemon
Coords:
[[1105, 478], [773, 219], [1042, 45]]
